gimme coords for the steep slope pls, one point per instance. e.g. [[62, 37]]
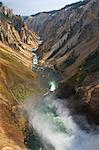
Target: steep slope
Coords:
[[14, 33], [36, 22], [75, 39], [17, 81], [68, 30], [45, 23], [71, 39]]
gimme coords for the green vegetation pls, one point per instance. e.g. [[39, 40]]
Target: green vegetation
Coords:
[[22, 91], [79, 77], [17, 77], [4, 17], [90, 65], [69, 61], [15, 20]]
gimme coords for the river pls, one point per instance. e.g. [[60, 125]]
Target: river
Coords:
[[53, 125]]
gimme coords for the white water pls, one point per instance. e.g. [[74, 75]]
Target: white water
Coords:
[[46, 123], [53, 86], [35, 60]]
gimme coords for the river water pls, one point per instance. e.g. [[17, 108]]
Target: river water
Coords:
[[53, 125]]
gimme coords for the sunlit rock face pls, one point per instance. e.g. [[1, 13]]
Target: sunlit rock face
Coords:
[[15, 34], [71, 36], [13, 148], [16, 43], [14, 31]]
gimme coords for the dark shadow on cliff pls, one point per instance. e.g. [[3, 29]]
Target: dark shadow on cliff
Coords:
[[79, 109]]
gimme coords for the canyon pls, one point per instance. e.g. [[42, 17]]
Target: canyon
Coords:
[[65, 41], [71, 46]]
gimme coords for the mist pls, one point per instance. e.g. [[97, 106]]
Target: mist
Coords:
[[74, 138]]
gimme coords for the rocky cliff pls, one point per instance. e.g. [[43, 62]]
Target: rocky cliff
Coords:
[[17, 81], [15, 34], [67, 30], [71, 45]]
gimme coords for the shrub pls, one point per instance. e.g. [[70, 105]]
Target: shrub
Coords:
[[92, 63], [69, 61]]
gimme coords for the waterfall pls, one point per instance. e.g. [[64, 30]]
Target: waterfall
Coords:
[[35, 60], [51, 119], [55, 127]]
